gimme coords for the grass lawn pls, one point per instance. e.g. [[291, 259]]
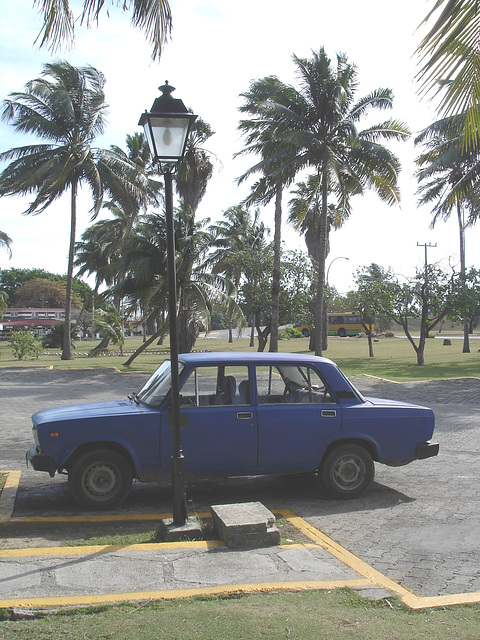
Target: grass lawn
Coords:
[[394, 359], [306, 615]]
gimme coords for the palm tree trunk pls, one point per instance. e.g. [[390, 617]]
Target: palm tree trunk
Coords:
[[276, 270], [322, 253], [461, 226], [144, 345], [67, 341]]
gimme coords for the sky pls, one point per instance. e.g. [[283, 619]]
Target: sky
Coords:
[[217, 49]]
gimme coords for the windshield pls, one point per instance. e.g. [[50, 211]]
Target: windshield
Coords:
[[157, 386]]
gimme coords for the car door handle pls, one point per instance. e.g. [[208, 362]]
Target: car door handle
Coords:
[[329, 413], [244, 415]]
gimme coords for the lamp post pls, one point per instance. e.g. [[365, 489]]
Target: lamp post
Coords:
[[328, 270], [166, 127]]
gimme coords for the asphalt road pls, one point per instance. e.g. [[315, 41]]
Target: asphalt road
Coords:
[[418, 524]]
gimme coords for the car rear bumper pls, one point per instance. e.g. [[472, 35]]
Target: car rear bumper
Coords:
[[427, 450], [40, 462]]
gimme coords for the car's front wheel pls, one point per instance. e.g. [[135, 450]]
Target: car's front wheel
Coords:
[[347, 471], [100, 479]]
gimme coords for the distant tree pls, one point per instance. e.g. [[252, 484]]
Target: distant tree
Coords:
[[40, 292], [428, 297], [12, 279], [373, 297], [466, 300], [256, 294], [255, 291]]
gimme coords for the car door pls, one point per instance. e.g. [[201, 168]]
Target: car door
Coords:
[[296, 413], [219, 424]]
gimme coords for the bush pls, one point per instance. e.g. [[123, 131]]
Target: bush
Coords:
[[292, 332], [24, 343], [54, 338]]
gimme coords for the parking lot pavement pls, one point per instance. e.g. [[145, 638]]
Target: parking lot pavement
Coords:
[[81, 575], [417, 525]]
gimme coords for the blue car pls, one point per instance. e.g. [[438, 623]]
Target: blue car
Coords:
[[241, 414]]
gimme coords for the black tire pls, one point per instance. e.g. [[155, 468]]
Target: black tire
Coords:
[[347, 471], [342, 333], [305, 333], [100, 479]]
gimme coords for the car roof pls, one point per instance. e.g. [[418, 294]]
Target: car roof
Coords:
[[228, 357]]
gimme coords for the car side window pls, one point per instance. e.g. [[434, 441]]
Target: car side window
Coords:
[[270, 385], [216, 386], [291, 385]]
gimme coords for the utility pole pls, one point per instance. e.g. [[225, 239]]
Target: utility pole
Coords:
[[426, 246], [424, 295]]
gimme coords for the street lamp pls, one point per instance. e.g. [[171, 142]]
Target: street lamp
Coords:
[[166, 127], [328, 270]]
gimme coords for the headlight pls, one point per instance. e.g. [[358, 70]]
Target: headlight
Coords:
[[35, 435]]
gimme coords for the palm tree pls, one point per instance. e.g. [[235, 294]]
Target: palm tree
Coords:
[[199, 290], [98, 252], [305, 217], [5, 242], [316, 127], [260, 131], [66, 107], [196, 168], [236, 234], [110, 322], [451, 63], [153, 18], [138, 153], [102, 243], [448, 175]]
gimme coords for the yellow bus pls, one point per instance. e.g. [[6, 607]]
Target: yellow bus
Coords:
[[339, 324], [346, 324]]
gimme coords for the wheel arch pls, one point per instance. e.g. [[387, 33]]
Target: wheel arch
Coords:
[[97, 445], [368, 445]]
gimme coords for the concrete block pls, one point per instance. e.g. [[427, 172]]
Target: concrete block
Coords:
[[170, 532], [247, 524]]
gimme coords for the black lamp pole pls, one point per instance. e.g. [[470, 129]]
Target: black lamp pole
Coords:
[[166, 128]]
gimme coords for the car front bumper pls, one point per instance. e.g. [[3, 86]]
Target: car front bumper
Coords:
[[427, 450], [40, 462]]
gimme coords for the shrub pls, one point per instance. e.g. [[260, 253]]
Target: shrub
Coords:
[[54, 338], [24, 343], [292, 332]]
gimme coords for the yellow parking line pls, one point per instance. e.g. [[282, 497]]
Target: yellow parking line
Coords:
[[348, 558], [9, 494], [108, 548], [172, 594], [125, 517]]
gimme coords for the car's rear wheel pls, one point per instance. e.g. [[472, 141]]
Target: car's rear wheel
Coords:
[[100, 479], [347, 471]]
